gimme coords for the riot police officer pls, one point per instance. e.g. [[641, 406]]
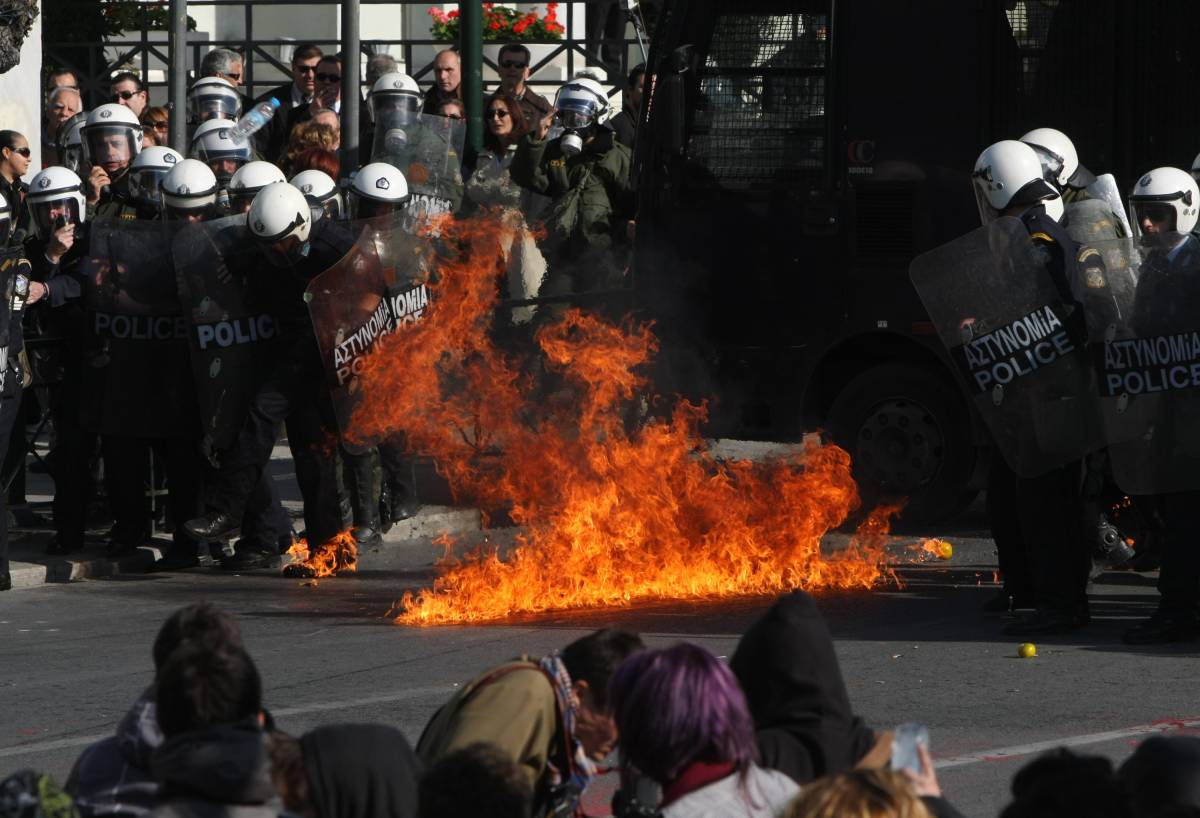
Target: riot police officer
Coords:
[[1045, 558], [294, 250], [322, 193], [213, 98], [112, 139], [54, 315], [214, 145], [1060, 163], [1163, 211], [145, 179], [14, 282], [248, 180], [380, 191]]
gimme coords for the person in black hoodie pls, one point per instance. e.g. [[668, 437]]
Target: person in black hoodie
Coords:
[[346, 771], [213, 762], [786, 665]]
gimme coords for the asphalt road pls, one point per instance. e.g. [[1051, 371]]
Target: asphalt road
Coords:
[[73, 657]]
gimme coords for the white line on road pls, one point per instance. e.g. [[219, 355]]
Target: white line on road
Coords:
[[320, 707], [1017, 750]]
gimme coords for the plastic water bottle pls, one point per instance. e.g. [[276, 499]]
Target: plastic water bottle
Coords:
[[253, 120]]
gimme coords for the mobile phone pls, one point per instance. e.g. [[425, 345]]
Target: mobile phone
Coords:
[[59, 223], [905, 741]]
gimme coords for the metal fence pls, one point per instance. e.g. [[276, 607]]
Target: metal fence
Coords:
[[143, 53]]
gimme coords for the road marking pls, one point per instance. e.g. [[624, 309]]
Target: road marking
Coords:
[[319, 707], [1018, 750]]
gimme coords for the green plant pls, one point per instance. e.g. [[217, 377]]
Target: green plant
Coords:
[[131, 15], [501, 24]]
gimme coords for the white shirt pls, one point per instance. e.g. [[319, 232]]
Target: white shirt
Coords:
[[765, 794]]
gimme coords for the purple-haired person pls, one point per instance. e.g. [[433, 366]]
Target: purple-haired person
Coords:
[[682, 720]]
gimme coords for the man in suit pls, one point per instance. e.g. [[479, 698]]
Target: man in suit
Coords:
[[292, 96]]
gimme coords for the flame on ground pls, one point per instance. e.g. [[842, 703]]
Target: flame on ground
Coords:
[[610, 516], [337, 556]]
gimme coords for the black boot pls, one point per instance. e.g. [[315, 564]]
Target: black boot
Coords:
[[360, 477], [214, 525], [5, 580]]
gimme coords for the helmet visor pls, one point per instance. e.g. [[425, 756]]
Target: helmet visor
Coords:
[[1151, 218], [1052, 163], [50, 216], [575, 120], [362, 207], [111, 147], [144, 185], [217, 104]]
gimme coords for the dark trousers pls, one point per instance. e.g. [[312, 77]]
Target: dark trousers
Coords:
[[14, 456], [265, 523], [293, 393], [127, 477], [360, 474], [1041, 537], [1179, 576], [10, 409], [70, 462]]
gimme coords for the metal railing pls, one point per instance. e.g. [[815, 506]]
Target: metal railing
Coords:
[[142, 54]]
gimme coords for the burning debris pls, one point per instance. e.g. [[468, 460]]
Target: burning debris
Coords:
[[611, 516], [337, 556]]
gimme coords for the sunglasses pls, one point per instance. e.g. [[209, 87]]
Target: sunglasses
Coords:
[[305, 69], [513, 64], [496, 113], [158, 126], [234, 77], [23, 151], [329, 77], [119, 95]]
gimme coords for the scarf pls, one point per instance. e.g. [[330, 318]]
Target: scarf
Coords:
[[580, 769]]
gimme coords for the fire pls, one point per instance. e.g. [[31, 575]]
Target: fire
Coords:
[[610, 516], [935, 548], [339, 555]]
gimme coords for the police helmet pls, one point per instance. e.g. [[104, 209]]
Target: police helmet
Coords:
[[112, 137], [1056, 153], [1165, 196], [55, 194], [321, 192], [581, 102], [395, 91], [249, 180], [213, 98], [147, 172], [214, 145], [1008, 174], [70, 142], [378, 189], [189, 188], [282, 220]]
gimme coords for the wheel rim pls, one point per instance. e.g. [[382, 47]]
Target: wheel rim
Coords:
[[900, 446]]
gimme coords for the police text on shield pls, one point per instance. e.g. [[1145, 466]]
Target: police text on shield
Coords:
[[1028, 344]]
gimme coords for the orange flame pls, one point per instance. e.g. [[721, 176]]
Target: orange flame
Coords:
[[339, 555], [610, 516]]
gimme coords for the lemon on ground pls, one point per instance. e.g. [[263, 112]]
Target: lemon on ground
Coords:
[[1027, 650]]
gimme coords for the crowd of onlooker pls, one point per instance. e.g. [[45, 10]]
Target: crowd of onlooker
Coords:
[[770, 733]]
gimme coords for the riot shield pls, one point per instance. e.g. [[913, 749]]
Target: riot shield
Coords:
[[1105, 189], [428, 149], [232, 335], [377, 288], [1019, 347], [1148, 362], [135, 347]]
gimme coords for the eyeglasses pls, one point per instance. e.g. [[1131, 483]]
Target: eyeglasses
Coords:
[[23, 151], [117, 96], [232, 76], [329, 77], [157, 125], [496, 113], [305, 69], [513, 64]]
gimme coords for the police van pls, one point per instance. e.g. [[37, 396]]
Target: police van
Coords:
[[794, 157]]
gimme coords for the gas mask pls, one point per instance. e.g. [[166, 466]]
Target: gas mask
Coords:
[[576, 125]]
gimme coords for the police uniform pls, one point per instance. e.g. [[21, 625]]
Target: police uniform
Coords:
[[1051, 560], [12, 263], [293, 392]]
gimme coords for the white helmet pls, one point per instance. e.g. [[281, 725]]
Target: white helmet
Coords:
[[321, 192], [1008, 174], [70, 142], [55, 193], [1056, 153], [214, 145], [213, 98], [278, 213], [1159, 192], [249, 180], [581, 102], [377, 189], [1196, 168], [147, 172], [189, 186], [112, 137], [395, 92]]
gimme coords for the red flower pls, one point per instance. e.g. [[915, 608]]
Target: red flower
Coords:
[[453, 15], [496, 26]]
